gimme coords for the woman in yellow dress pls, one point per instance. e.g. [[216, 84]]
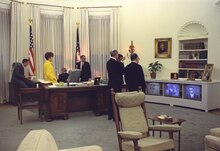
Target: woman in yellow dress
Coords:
[[49, 74]]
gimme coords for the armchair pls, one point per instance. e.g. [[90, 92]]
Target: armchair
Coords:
[[132, 124], [212, 141], [42, 140]]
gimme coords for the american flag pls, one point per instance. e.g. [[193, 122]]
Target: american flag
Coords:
[[77, 59], [31, 54]]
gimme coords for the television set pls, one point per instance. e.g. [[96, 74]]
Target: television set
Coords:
[[74, 76], [153, 88], [172, 90], [192, 92]]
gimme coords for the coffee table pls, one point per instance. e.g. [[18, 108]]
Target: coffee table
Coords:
[[174, 120]]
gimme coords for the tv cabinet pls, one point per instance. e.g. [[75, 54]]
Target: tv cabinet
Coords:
[[209, 94]]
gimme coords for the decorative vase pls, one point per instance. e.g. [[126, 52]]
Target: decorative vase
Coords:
[[153, 75]]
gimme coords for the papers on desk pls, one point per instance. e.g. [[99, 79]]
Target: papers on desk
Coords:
[[52, 86], [43, 81]]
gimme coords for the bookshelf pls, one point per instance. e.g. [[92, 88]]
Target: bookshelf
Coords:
[[193, 55]]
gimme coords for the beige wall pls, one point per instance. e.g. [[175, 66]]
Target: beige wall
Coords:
[[144, 20]]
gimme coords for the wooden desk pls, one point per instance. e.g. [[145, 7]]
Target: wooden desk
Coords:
[[64, 99]]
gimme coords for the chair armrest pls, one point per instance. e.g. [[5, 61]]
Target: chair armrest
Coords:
[[215, 132], [212, 142], [130, 135], [165, 127]]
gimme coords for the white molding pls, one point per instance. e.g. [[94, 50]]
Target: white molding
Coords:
[[193, 30]]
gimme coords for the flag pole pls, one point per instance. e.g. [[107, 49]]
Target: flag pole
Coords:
[[31, 51], [77, 57]]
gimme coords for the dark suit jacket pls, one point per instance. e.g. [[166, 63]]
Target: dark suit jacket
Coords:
[[134, 77], [194, 97], [63, 77], [19, 79], [86, 71], [115, 71]]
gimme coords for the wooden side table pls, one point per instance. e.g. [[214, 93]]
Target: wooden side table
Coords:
[[175, 120]]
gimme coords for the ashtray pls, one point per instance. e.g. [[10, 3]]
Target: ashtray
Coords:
[[168, 119], [165, 118]]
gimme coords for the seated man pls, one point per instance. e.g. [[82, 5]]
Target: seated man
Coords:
[[63, 76], [18, 77]]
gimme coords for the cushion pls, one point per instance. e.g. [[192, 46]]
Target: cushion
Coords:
[[149, 144], [129, 99], [133, 119], [212, 142], [38, 140], [86, 148], [215, 132]]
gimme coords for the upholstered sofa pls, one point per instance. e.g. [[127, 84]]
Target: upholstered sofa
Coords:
[[212, 141], [42, 140]]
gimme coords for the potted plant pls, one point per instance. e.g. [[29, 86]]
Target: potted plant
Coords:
[[154, 67]]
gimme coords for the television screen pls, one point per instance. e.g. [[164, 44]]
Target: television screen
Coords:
[[192, 92], [172, 90], [153, 88]]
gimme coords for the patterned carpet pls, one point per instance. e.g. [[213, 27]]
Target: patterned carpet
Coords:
[[86, 129]]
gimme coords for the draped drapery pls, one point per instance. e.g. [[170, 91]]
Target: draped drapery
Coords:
[[52, 38], [68, 38], [84, 33], [4, 53], [99, 35], [53, 31], [17, 34]]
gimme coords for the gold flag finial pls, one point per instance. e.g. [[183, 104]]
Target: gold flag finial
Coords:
[[77, 23]]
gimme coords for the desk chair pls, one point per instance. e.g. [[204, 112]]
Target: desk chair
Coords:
[[132, 124], [30, 98]]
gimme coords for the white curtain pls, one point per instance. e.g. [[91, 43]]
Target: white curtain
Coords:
[[114, 29], [52, 39], [68, 38], [84, 34], [16, 49], [4, 53], [99, 35]]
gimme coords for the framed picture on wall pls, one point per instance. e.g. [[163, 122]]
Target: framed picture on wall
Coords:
[[174, 76], [163, 47], [207, 72]]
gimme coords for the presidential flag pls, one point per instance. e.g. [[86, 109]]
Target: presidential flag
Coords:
[[77, 59], [31, 55]]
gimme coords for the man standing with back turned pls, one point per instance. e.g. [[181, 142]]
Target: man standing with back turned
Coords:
[[115, 80], [134, 75]]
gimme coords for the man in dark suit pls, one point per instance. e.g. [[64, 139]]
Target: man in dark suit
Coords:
[[192, 94], [18, 77], [63, 76], [85, 69], [115, 79], [134, 75]]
